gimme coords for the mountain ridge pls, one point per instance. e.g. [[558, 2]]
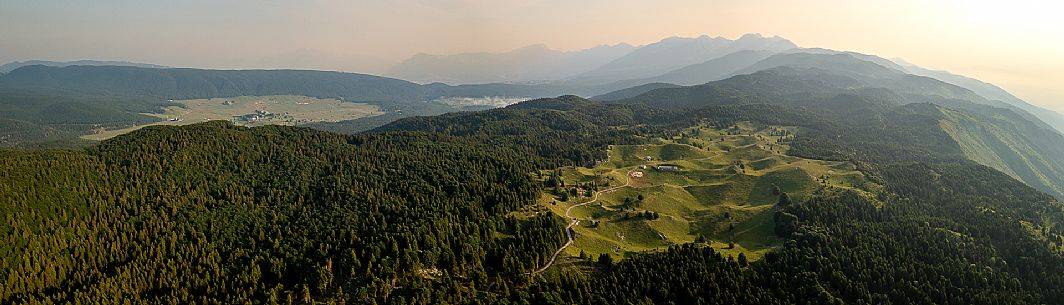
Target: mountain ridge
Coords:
[[674, 53], [1028, 148], [8, 67]]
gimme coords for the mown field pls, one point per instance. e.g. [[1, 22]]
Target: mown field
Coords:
[[724, 192], [282, 109]]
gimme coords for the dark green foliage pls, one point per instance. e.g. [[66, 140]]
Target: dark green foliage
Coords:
[[196, 83], [60, 103], [605, 260], [786, 223], [869, 98], [213, 213], [680, 275], [576, 133], [217, 214], [784, 199], [33, 117]]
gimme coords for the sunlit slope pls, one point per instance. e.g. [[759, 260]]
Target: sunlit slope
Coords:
[[724, 191]]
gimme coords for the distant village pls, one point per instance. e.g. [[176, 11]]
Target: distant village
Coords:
[[262, 115]]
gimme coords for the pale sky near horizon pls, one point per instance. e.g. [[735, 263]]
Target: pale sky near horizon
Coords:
[[1017, 44]]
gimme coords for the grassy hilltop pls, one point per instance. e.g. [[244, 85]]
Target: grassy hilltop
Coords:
[[724, 191]]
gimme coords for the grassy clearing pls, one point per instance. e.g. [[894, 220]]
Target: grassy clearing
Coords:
[[260, 110], [722, 190]]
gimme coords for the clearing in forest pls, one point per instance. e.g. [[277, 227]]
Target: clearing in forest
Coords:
[[252, 111], [722, 185]]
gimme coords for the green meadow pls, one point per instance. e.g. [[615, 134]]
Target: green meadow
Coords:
[[282, 110], [722, 189]]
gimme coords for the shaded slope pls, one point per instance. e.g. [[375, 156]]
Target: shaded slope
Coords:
[[633, 91], [711, 70], [8, 67], [1010, 145], [197, 83], [1013, 142], [674, 53], [992, 92]]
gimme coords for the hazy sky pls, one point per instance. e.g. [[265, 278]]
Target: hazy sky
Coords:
[[1016, 44]]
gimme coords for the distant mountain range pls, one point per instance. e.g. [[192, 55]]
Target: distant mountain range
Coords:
[[528, 64], [860, 92], [989, 91], [595, 66], [718, 171], [676, 53], [8, 67], [604, 73], [672, 61]]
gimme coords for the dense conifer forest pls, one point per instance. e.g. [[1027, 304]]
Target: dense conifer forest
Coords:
[[420, 212]]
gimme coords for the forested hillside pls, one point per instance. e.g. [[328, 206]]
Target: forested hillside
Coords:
[[213, 213], [558, 131], [46, 117], [946, 231], [52, 106], [423, 211], [8, 67], [844, 88], [194, 83]]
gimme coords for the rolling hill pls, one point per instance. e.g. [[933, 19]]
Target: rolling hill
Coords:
[[68, 101], [897, 145], [8, 67], [196, 83], [450, 209], [748, 61], [850, 89]]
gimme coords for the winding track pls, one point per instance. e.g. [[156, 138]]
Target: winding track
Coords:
[[573, 221]]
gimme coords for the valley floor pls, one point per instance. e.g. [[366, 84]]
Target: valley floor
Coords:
[[252, 111]]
